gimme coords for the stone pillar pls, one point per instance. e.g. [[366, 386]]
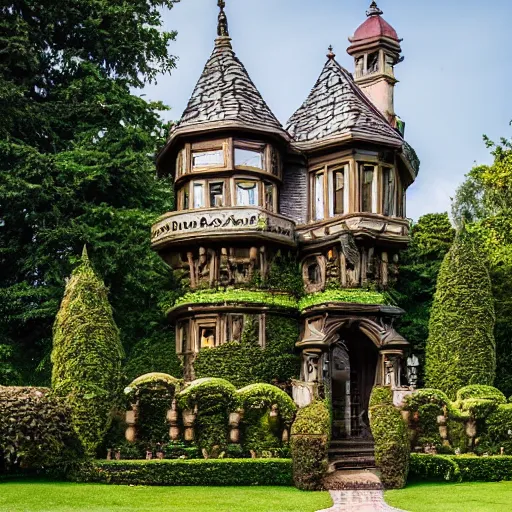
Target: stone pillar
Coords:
[[189, 418], [131, 420], [234, 423], [172, 418]]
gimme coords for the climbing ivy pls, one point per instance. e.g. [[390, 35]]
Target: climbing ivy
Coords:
[[87, 355], [245, 362], [345, 295]]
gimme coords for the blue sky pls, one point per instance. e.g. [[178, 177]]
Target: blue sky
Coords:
[[455, 82]]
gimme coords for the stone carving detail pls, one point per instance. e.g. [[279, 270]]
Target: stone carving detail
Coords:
[[181, 225]]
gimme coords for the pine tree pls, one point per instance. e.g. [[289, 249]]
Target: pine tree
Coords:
[[87, 354], [461, 349]]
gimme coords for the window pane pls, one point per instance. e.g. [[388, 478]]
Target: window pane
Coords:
[[207, 337], [208, 158], [388, 193], [247, 193], [248, 158], [319, 196], [269, 197], [338, 192], [367, 188], [216, 195], [198, 195], [373, 62]]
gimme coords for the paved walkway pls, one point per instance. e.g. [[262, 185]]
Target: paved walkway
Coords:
[[359, 501]]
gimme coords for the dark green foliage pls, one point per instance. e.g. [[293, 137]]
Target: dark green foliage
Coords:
[[247, 363], [214, 399], [381, 395], [36, 432], [154, 354], [483, 204], [262, 430], [285, 274], [180, 450], [309, 442], [77, 166], [87, 355], [484, 469], [153, 393], [461, 349], [431, 238], [499, 427], [483, 392], [219, 472], [433, 468], [391, 441]]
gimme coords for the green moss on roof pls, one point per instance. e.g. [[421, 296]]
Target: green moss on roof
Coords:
[[236, 296], [350, 296]]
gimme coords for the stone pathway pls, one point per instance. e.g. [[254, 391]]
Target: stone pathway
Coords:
[[356, 491], [359, 501]]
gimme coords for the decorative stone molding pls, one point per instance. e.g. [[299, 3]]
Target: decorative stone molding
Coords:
[[214, 223]]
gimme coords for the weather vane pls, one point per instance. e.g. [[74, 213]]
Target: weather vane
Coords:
[[222, 29], [374, 10]]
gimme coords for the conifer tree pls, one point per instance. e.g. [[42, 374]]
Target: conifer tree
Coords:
[[87, 354], [461, 349]]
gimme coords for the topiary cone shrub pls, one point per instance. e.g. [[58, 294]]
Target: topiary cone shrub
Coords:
[[309, 443], [461, 349], [87, 355], [391, 439]]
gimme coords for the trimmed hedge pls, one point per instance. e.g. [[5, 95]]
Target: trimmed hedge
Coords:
[[461, 349], [481, 392], [87, 355], [214, 399], [310, 442], [221, 472], [391, 439], [36, 432], [433, 468], [344, 295], [466, 468]]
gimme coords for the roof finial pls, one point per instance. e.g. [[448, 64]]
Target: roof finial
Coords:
[[222, 28], [374, 10], [331, 54]]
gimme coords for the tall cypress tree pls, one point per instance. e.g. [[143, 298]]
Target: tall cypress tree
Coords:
[[87, 354], [461, 349]]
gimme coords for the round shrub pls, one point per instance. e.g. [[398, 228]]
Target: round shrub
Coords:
[[461, 349], [213, 399], [87, 355], [261, 430], [310, 442], [481, 391], [391, 440], [36, 431], [153, 393]]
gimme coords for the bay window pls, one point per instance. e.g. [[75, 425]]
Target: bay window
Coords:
[[246, 193]]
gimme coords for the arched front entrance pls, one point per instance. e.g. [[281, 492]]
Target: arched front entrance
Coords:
[[353, 362]]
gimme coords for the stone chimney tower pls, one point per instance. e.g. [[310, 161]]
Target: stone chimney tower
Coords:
[[375, 47]]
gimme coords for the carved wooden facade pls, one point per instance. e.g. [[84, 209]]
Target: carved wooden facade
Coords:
[[328, 189]]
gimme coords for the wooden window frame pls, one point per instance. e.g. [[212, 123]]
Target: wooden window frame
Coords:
[[214, 145], [382, 198], [259, 147], [259, 185], [206, 322], [375, 186]]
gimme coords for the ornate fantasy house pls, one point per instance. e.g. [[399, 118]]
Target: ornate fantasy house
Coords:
[[326, 194]]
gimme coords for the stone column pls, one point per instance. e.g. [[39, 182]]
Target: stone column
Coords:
[[189, 418], [131, 420], [172, 418], [234, 423]]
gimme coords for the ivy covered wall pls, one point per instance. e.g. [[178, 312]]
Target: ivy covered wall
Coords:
[[245, 362]]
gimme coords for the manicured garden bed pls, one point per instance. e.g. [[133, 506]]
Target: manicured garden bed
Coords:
[[465, 497], [69, 497]]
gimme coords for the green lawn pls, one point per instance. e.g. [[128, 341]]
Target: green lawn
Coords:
[[466, 497], [69, 497]]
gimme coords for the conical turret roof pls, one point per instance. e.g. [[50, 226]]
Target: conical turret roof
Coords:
[[337, 110], [226, 97]]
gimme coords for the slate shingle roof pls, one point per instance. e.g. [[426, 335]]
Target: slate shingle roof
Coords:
[[337, 108], [225, 93]]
